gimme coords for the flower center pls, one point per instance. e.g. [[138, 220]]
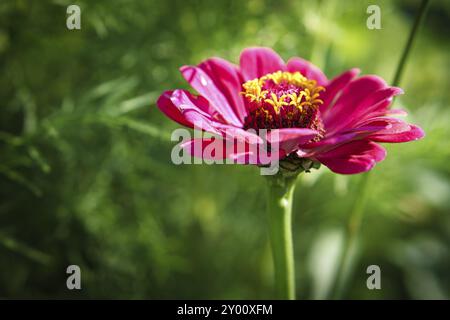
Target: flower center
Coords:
[[283, 100]]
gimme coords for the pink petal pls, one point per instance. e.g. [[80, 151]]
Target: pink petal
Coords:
[[380, 129], [287, 134], [289, 138], [307, 69], [412, 133], [173, 103], [383, 120], [196, 148], [331, 142], [183, 99], [311, 149], [386, 113], [194, 110], [334, 87], [195, 115], [228, 80], [354, 157], [239, 134], [169, 109], [257, 62], [369, 103], [395, 112], [203, 84], [241, 154], [377, 101], [349, 101], [199, 121]]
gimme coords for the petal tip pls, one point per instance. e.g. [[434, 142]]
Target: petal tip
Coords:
[[355, 71]]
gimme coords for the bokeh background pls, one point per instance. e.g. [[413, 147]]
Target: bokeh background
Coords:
[[86, 176]]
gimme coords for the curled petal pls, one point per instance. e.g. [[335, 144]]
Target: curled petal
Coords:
[[166, 105], [174, 103], [410, 134], [195, 111], [228, 80], [192, 112], [396, 130], [184, 100], [385, 113], [199, 121], [203, 84]]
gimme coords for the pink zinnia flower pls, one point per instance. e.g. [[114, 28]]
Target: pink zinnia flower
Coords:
[[336, 122]]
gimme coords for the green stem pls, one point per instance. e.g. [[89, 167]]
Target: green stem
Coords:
[[280, 230], [409, 43], [357, 212]]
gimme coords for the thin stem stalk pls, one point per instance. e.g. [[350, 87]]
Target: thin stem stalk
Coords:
[[280, 231]]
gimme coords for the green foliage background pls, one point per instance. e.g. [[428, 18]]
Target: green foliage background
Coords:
[[86, 176]]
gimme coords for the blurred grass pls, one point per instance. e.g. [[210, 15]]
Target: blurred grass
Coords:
[[86, 177]]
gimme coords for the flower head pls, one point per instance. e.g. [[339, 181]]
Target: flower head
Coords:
[[336, 122], [283, 100]]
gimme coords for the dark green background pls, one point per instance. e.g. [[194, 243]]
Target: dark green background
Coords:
[[86, 176]]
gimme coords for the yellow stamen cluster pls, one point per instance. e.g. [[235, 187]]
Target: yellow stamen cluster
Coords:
[[307, 96]]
